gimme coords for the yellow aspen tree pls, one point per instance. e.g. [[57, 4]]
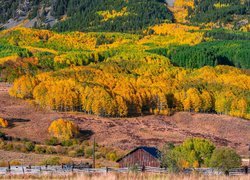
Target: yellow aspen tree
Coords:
[[23, 87], [187, 104], [122, 108], [220, 103], [63, 129], [207, 101], [242, 107], [194, 96], [3, 123]]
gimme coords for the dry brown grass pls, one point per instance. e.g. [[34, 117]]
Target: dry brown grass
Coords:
[[127, 176]]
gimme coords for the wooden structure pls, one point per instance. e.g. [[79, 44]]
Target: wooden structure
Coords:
[[141, 156]]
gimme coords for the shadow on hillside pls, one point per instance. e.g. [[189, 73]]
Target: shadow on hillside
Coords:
[[12, 121], [85, 134]]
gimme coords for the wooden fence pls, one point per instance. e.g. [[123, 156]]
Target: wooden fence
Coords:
[[36, 170]]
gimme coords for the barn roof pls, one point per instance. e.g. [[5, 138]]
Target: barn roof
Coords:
[[151, 150]]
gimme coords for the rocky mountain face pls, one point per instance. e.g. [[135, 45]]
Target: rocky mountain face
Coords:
[[26, 13]]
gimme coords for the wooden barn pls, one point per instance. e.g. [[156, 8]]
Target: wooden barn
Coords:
[[141, 156]]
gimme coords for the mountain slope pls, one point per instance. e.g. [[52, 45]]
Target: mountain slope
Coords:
[[121, 15], [86, 15]]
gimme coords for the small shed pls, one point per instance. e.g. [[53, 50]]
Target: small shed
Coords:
[[141, 156]]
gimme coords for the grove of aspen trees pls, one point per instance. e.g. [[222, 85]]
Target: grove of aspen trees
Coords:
[[161, 71]]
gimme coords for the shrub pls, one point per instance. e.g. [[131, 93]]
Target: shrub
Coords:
[[3, 123], [53, 141], [88, 152], [52, 161], [225, 159], [40, 149], [8, 147], [80, 152], [15, 163], [29, 146], [50, 150], [98, 155], [72, 153], [70, 142], [63, 129], [112, 156]]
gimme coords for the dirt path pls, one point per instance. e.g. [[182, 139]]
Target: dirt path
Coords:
[[27, 121]]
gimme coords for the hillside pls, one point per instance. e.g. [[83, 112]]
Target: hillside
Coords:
[[85, 15], [132, 16], [131, 74], [28, 121]]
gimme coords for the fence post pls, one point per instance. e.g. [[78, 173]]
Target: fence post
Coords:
[[72, 167], [23, 169], [246, 169], [9, 168]]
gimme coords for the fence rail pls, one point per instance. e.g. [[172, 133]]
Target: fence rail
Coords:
[[18, 170]]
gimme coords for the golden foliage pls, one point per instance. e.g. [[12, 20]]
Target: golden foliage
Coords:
[[158, 88], [63, 129], [175, 34], [180, 9], [3, 123], [111, 14], [23, 87], [221, 5]]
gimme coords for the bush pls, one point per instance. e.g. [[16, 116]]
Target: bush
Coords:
[[3, 123], [40, 149], [63, 129], [70, 142], [50, 150], [225, 159], [80, 152], [88, 152], [53, 141], [98, 155], [8, 147], [29, 146], [72, 153], [112, 156], [52, 161], [15, 163]]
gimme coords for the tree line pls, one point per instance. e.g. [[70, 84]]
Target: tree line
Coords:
[[117, 89]]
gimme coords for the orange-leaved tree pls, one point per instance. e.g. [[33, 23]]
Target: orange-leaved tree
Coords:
[[63, 129], [3, 123]]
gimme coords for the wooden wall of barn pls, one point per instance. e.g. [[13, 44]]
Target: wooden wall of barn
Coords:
[[139, 158]]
